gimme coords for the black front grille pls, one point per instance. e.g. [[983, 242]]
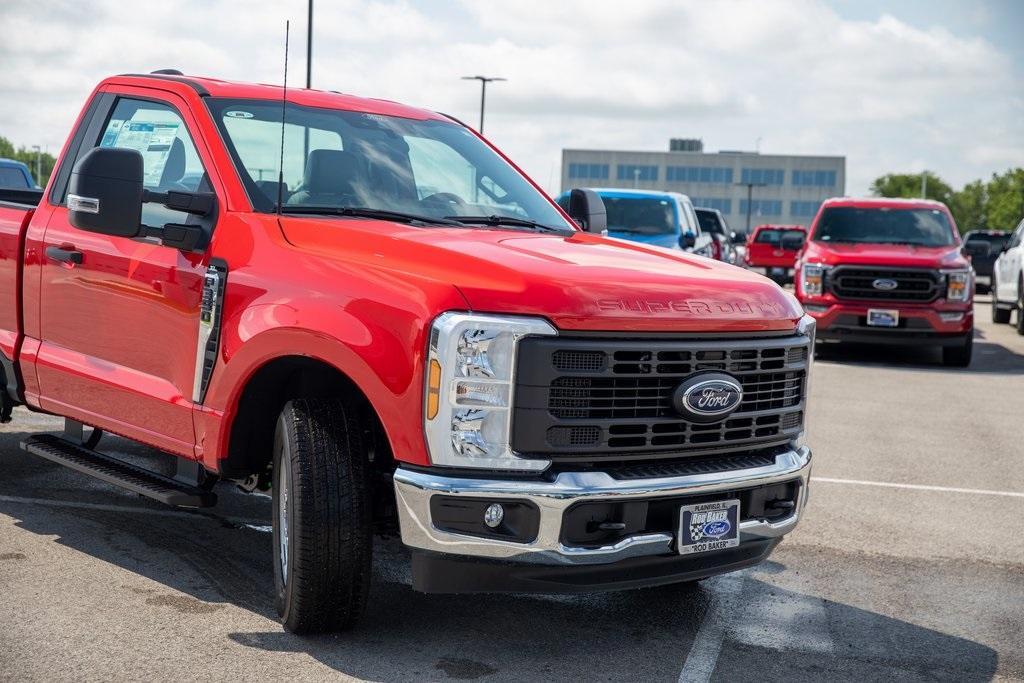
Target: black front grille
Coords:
[[577, 398], [852, 282]]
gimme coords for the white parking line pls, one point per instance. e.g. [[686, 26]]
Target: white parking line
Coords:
[[917, 487], [707, 644]]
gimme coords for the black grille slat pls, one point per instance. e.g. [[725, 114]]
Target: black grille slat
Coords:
[[582, 397], [852, 282]]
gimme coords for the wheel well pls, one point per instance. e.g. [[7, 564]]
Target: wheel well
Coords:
[[250, 448]]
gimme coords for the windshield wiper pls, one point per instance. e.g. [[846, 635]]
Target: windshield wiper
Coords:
[[366, 212], [506, 220]]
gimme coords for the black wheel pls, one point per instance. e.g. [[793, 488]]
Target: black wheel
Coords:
[[1020, 307], [999, 315], [959, 356], [322, 517]]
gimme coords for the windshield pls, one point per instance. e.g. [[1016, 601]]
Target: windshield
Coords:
[[920, 227], [996, 242], [709, 222], [640, 215], [336, 159], [777, 236]]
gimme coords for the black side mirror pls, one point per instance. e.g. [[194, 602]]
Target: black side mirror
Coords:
[[105, 192], [587, 208], [687, 240], [738, 237]]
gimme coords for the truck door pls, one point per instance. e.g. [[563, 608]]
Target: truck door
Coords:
[[119, 330]]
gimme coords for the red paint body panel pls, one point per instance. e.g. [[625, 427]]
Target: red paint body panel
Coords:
[[13, 224], [113, 341], [764, 255]]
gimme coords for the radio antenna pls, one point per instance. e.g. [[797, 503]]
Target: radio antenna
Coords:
[[284, 101]]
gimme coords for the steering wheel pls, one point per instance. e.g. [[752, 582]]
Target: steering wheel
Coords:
[[445, 197]]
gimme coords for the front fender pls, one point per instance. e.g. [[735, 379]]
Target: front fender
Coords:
[[379, 346]]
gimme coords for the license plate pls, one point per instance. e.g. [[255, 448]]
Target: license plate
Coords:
[[878, 317], [704, 527]]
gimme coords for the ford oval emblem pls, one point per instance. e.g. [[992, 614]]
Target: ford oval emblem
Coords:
[[717, 529], [885, 284], [708, 397]]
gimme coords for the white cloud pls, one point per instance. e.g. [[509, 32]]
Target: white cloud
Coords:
[[582, 73]]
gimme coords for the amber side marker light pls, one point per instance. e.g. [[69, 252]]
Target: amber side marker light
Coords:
[[433, 388]]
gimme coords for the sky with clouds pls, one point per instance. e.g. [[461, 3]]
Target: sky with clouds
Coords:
[[897, 86]]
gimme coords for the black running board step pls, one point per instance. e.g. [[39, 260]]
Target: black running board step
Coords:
[[118, 472]]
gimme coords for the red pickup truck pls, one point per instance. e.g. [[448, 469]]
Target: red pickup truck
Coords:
[[889, 271], [774, 248], [369, 311]]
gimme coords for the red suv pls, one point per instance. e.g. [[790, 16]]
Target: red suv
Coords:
[[888, 271]]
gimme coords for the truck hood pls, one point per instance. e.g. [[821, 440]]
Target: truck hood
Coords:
[[579, 282], [897, 255]]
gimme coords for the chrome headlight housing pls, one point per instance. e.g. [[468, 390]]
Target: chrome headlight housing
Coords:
[[958, 285], [807, 327], [470, 380]]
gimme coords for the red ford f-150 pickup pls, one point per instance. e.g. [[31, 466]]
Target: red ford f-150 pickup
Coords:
[[889, 271], [396, 329], [774, 248]]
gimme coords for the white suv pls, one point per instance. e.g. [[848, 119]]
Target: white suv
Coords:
[[1008, 281]]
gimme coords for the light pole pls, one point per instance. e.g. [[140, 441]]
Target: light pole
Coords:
[[484, 80], [39, 162], [309, 48], [924, 184], [750, 195]]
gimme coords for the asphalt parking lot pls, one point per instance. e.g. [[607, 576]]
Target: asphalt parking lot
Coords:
[[909, 565]]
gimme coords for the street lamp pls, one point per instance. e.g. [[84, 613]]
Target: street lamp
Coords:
[[750, 194], [484, 80]]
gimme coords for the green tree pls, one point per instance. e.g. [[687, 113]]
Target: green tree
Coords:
[[43, 163], [970, 207], [1005, 205], [908, 186]]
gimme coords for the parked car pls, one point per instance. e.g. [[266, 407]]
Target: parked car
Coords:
[[415, 341], [773, 249], [1008, 281], [15, 175], [889, 271], [984, 247], [713, 222], [739, 244], [661, 219]]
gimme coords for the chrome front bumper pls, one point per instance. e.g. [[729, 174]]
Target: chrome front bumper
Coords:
[[413, 490]]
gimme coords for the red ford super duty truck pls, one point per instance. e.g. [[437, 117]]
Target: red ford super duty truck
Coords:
[[889, 271], [406, 333]]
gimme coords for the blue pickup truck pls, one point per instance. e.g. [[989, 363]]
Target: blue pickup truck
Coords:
[[16, 176], [662, 219]]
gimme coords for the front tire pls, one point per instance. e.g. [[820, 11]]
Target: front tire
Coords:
[[959, 356], [1000, 316], [1020, 307], [322, 517]]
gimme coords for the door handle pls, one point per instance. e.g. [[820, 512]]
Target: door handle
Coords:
[[64, 255]]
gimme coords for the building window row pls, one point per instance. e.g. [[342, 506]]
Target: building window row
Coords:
[[589, 171], [814, 178], [723, 205], [698, 174], [804, 209], [763, 176], [762, 207], [637, 172]]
